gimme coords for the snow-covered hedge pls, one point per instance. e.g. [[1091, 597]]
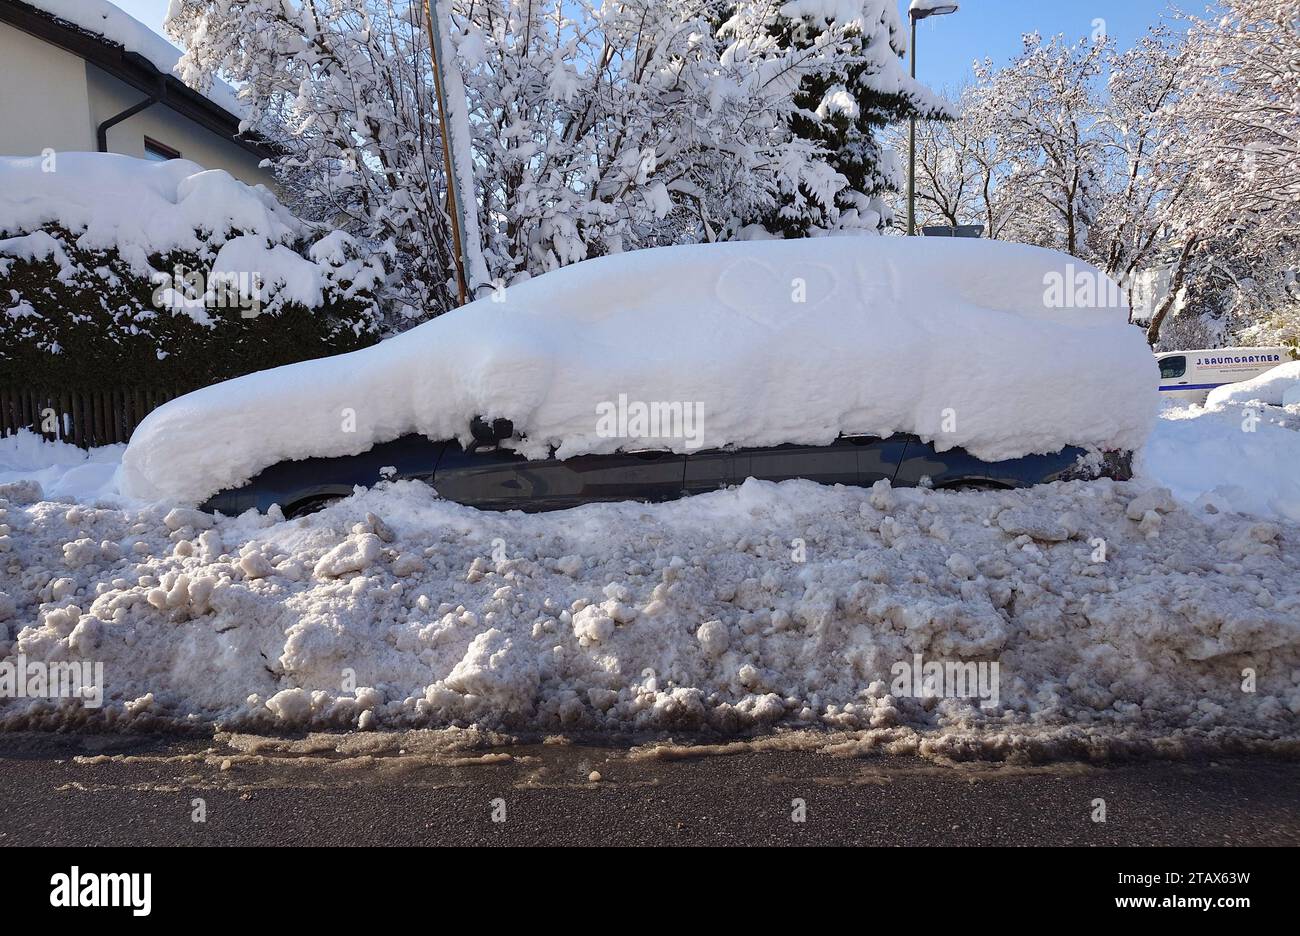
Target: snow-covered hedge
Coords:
[[114, 269]]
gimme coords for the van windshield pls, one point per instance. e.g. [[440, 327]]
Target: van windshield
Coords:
[[1172, 367]]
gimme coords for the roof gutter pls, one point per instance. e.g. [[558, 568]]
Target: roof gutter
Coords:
[[101, 131], [135, 70]]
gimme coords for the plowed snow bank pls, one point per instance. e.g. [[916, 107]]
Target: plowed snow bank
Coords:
[[394, 608]]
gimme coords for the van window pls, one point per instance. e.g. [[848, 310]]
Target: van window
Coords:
[[1172, 367]]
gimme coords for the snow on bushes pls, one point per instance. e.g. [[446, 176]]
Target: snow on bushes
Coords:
[[137, 207], [394, 608], [770, 341], [120, 269]]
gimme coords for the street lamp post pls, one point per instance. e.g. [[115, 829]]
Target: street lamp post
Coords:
[[918, 10]]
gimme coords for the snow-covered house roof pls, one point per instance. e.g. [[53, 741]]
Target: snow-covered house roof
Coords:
[[117, 43]]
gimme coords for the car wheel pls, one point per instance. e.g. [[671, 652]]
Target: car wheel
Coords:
[[310, 506], [975, 486]]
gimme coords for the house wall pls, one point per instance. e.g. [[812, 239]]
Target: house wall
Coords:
[[52, 98], [44, 100], [109, 96]]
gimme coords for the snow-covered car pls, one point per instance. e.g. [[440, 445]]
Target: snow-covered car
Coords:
[[835, 359], [487, 476]]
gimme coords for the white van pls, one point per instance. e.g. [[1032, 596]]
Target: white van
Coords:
[[1191, 375]]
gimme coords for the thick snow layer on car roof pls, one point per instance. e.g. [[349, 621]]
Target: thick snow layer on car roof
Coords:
[[960, 342]]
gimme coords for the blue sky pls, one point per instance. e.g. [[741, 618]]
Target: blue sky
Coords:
[[949, 44]]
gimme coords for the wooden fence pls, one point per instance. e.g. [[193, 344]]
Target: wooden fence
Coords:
[[82, 417]]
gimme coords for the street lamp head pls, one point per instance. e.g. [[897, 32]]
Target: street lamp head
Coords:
[[920, 9]]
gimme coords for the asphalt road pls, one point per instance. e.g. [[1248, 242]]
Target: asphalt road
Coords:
[[109, 790]]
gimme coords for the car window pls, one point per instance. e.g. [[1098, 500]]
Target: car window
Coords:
[[1171, 367]]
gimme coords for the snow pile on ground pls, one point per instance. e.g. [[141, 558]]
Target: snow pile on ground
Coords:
[[61, 469], [768, 342], [1270, 387], [1111, 611], [137, 207], [1229, 457], [105, 19]]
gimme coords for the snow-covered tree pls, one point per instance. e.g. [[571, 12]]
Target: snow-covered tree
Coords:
[[344, 88], [610, 126], [1041, 109], [596, 126], [1247, 103], [961, 170], [1229, 180], [1150, 225], [845, 109], [1243, 108], [1178, 177]]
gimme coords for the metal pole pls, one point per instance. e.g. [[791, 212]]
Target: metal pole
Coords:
[[911, 149], [453, 180]]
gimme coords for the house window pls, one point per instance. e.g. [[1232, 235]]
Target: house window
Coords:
[[159, 151]]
